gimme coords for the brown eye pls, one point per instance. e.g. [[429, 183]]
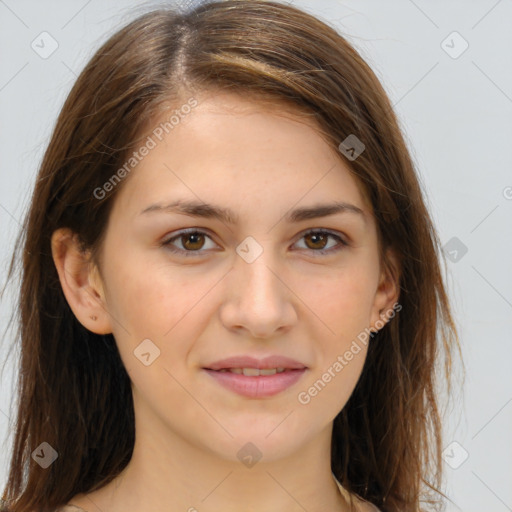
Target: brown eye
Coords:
[[317, 240], [321, 242], [192, 241]]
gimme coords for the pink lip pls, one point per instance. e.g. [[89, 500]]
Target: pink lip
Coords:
[[260, 386], [273, 361]]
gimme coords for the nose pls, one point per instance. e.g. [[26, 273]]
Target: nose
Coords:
[[258, 299]]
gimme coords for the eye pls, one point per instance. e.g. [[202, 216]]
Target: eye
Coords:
[[191, 241], [318, 241]]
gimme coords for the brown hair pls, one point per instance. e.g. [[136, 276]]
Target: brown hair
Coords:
[[387, 439]]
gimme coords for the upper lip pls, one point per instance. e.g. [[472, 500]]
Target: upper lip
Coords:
[[272, 361]]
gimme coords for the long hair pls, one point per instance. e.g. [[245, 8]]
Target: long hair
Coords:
[[73, 392]]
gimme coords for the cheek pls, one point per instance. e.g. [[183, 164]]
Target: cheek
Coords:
[[343, 304], [151, 298], [343, 301], [156, 302]]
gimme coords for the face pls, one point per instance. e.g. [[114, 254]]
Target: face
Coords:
[[264, 273]]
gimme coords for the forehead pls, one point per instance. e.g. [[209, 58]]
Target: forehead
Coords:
[[228, 147]]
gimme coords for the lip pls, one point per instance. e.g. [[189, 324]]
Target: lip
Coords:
[[260, 386], [272, 361]]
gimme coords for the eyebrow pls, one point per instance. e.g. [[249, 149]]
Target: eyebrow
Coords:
[[205, 210]]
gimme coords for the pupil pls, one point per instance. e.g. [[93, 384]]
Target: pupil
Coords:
[[195, 237], [316, 238]]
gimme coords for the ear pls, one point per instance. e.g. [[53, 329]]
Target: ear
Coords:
[[388, 291], [80, 281]]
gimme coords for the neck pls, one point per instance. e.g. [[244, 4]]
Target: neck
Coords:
[[174, 474]]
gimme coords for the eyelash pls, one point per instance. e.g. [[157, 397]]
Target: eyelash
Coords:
[[192, 231]]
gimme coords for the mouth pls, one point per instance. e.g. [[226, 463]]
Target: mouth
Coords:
[[255, 372], [255, 378]]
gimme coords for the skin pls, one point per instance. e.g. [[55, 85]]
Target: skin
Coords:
[[291, 300]]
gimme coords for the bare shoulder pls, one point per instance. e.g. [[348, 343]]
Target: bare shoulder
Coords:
[[362, 505], [366, 506]]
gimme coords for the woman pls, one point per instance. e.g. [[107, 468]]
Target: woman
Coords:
[[231, 294]]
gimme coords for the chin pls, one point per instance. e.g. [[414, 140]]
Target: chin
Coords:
[[269, 444]]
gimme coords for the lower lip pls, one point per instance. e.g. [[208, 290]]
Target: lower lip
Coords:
[[259, 386]]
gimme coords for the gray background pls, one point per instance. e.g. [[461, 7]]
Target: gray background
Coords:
[[455, 109]]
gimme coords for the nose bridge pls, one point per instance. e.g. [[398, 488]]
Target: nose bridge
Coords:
[[257, 299], [253, 270]]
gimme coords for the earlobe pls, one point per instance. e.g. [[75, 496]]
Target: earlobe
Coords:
[[388, 292], [80, 282]]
